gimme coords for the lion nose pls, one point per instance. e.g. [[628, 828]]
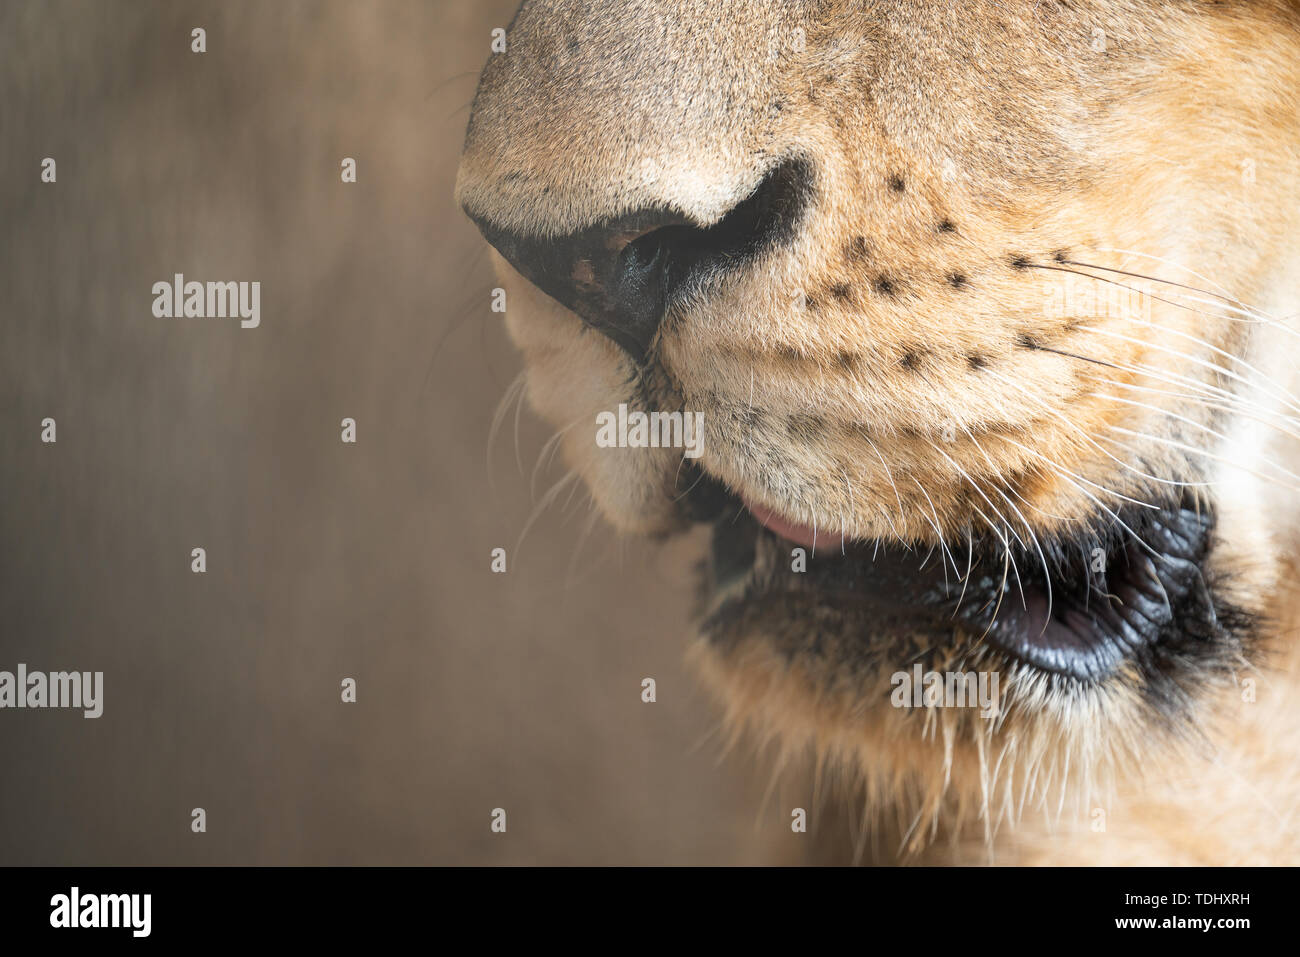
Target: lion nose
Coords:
[[622, 277], [618, 277]]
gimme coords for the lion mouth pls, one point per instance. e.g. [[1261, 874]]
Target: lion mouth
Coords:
[[1131, 586], [805, 535]]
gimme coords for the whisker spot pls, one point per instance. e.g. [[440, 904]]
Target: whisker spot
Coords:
[[857, 250], [912, 359]]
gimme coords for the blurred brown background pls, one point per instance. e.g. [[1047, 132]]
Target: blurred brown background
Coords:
[[325, 560]]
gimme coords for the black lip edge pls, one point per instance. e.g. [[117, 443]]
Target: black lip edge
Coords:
[[1197, 616]]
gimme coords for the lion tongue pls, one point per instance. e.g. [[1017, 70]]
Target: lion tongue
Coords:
[[799, 534]]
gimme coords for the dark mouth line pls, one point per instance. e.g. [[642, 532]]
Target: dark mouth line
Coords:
[[1126, 587]]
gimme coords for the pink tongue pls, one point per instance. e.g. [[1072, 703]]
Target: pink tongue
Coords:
[[799, 534]]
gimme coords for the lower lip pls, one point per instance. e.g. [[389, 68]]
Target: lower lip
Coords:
[[804, 535]]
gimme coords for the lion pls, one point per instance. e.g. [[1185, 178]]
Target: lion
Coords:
[[989, 312]]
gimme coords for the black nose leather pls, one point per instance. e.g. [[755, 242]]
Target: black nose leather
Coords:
[[623, 276], [617, 276]]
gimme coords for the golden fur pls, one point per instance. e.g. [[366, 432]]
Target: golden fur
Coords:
[[928, 356]]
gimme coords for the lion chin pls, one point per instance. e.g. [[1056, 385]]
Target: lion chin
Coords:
[[969, 334]]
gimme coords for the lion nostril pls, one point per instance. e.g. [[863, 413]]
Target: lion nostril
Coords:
[[595, 272], [622, 276]]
